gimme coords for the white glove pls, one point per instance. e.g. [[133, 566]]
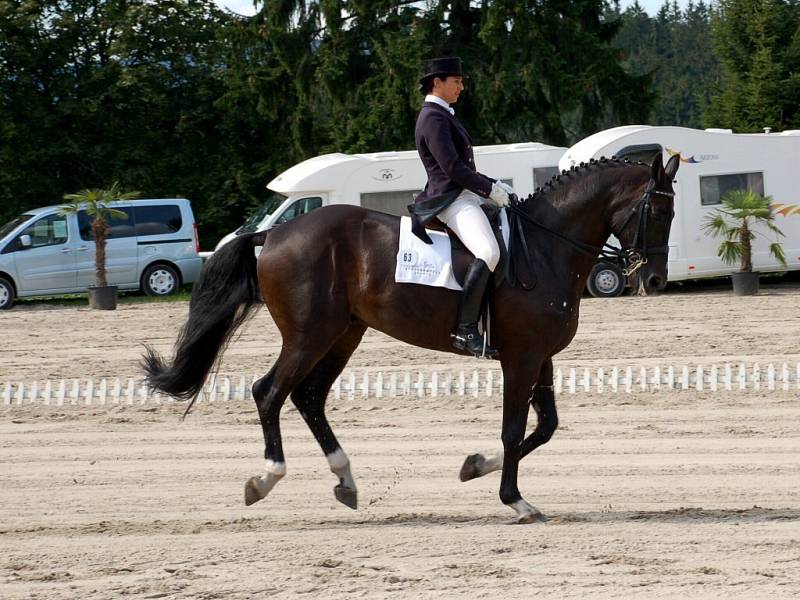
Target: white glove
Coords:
[[499, 194], [506, 187]]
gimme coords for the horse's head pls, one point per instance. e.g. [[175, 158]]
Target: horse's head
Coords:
[[642, 222]]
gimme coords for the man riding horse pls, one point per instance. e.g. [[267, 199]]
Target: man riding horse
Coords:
[[455, 191]]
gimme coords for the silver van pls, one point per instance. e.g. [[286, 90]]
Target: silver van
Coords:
[[154, 248]]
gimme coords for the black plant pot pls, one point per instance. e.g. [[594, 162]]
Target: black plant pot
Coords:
[[103, 298], [745, 283]]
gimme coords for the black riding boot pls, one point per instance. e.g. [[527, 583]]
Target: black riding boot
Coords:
[[467, 337]]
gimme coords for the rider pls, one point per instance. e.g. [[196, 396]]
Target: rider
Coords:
[[455, 191]]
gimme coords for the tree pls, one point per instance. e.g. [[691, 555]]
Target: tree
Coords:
[[674, 48], [734, 223], [97, 204], [551, 72], [757, 44]]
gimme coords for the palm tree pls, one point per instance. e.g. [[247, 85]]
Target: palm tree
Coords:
[[742, 209], [96, 204]]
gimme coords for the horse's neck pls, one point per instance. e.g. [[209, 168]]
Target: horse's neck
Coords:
[[582, 219], [579, 209], [579, 217]]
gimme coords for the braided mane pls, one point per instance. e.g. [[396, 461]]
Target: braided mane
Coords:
[[580, 170]]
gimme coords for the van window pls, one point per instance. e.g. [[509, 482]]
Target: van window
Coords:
[[12, 225], [640, 152], [117, 227], [393, 203], [714, 187], [542, 175], [49, 231], [157, 219], [300, 207]]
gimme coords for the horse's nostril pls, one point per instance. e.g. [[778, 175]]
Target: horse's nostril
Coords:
[[655, 282]]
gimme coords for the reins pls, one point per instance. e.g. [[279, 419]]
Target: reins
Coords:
[[632, 258]]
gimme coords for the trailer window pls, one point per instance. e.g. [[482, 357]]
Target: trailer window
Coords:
[[393, 203], [714, 187], [542, 175], [640, 152]]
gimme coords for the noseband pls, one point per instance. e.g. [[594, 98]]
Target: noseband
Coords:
[[635, 256]]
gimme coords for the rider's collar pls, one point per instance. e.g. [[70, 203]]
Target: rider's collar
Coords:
[[440, 102]]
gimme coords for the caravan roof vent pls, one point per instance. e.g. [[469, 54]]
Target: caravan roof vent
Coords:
[[717, 130], [790, 132]]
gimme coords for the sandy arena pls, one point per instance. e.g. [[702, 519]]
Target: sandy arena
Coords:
[[668, 494]]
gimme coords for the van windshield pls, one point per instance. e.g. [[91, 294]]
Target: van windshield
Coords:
[[270, 206], [13, 224]]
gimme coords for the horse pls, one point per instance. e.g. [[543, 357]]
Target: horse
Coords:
[[327, 276]]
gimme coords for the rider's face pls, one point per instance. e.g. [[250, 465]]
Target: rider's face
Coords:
[[449, 88]]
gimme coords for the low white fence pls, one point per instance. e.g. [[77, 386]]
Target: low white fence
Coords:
[[377, 384]]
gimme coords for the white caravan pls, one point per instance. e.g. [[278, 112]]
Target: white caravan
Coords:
[[713, 162], [388, 181]]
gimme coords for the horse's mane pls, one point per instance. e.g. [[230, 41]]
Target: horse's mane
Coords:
[[553, 190]]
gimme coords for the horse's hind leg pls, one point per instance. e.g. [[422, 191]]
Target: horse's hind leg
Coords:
[[543, 402], [309, 397], [270, 393]]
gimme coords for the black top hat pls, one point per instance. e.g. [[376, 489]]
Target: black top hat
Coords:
[[441, 67]]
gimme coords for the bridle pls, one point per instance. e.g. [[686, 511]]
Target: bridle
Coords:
[[635, 256], [632, 258]]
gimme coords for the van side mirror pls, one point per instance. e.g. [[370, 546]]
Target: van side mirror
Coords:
[[25, 241]]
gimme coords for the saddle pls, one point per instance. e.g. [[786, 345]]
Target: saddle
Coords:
[[461, 257]]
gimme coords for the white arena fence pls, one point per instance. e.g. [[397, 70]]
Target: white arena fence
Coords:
[[377, 384]]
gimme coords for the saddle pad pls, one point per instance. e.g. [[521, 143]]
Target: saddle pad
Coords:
[[426, 264], [430, 264]]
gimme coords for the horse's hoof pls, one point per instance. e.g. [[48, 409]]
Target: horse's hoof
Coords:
[[471, 467], [252, 492], [535, 517], [347, 496]]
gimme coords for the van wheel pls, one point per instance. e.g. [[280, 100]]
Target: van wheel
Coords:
[[606, 280], [6, 294], [160, 280]]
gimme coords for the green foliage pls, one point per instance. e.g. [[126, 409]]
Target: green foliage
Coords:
[[177, 98], [758, 44], [674, 49], [741, 211]]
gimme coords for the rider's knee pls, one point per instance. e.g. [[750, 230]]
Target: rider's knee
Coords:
[[490, 254]]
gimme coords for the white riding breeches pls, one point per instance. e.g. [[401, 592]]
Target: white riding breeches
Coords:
[[467, 219]]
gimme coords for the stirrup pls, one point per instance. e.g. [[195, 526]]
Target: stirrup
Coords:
[[473, 343]]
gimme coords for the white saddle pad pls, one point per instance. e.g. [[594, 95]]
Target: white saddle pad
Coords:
[[429, 264]]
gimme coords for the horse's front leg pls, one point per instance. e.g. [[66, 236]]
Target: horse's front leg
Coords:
[[544, 403], [519, 378]]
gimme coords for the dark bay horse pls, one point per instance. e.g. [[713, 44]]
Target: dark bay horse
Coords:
[[329, 275]]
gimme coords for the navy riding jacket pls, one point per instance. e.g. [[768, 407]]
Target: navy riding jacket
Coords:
[[445, 149]]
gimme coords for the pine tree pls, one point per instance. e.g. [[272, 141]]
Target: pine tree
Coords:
[[756, 42]]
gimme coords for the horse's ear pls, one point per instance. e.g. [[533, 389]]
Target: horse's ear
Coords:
[[672, 166]]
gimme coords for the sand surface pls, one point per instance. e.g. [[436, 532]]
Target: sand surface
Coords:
[[679, 494]]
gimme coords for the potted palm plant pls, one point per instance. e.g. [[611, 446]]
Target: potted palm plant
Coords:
[[734, 222], [96, 203]]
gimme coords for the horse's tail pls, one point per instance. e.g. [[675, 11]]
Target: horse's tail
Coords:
[[225, 296]]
